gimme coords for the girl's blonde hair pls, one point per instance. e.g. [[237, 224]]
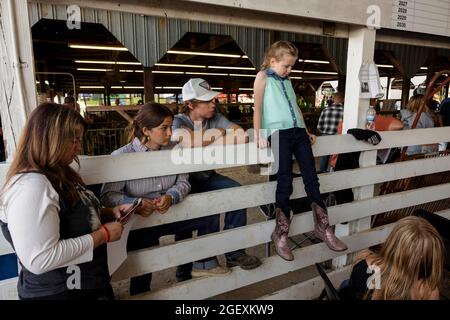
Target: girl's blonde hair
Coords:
[[277, 50], [48, 136], [413, 255], [414, 103]]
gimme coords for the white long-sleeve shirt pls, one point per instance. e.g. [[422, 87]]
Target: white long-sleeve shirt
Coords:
[[30, 207]]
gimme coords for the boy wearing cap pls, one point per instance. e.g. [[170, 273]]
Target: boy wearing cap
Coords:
[[199, 113]]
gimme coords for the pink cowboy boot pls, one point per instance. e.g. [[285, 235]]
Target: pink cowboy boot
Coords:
[[324, 231], [280, 236]]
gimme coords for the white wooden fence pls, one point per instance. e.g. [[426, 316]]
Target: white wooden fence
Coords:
[[102, 169]]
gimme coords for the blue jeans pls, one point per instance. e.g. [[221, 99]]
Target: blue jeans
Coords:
[[295, 142], [233, 219], [149, 237]]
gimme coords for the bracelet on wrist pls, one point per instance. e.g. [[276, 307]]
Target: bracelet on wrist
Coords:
[[105, 232]]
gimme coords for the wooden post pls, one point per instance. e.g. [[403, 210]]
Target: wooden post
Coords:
[[405, 91], [388, 86], [361, 48], [148, 85], [18, 97]]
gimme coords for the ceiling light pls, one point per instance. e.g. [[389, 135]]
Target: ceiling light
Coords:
[[108, 62], [207, 74], [82, 46], [246, 89], [296, 78], [209, 54], [171, 87], [232, 68], [127, 87], [169, 72], [46, 82], [92, 87], [91, 69], [385, 66], [129, 70], [316, 61], [179, 65], [319, 72], [242, 75], [216, 88], [423, 68]]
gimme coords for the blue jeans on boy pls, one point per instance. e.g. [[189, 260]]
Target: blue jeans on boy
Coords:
[[149, 237], [295, 142], [233, 219]]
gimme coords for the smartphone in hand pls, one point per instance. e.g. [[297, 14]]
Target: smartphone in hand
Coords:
[[126, 215]]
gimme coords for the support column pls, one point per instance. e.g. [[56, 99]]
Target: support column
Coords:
[[361, 48], [148, 85], [405, 91], [19, 97]]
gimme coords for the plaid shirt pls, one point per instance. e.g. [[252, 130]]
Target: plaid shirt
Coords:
[[329, 119]]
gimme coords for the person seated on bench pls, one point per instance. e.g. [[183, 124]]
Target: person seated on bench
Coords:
[[409, 266]]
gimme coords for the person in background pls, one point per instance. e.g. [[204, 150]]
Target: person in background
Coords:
[[425, 121], [70, 102], [199, 114], [53, 222], [277, 118], [409, 266], [329, 121]]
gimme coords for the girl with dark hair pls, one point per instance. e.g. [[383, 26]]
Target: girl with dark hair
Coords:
[[52, 221], [150, 132]]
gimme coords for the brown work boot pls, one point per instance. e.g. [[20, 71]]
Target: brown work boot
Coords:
[[280, 236], [323, 229]]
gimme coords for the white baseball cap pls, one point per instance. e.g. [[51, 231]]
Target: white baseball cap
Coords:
[[198, 89]]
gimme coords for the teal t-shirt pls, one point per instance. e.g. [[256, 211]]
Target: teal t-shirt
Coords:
[[280, 109]]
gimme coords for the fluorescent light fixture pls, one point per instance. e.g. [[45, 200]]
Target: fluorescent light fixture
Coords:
[[296, 78], [90, 47], [127, 87], [423, 68], [232, 68], [316, 61], [313, 72], [319, 72], [92, 69], [242, 75], [128, 70], [385, 66], [244, 57], [178, 65], [246, 89], [109, 62], [169, 72], [172, 87], [209, 54], [216, 88], [92, 87], [37, 82], [207, 74]]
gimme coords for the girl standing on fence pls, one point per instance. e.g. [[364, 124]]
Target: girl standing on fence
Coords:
[[55, 225], [279, 121]]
